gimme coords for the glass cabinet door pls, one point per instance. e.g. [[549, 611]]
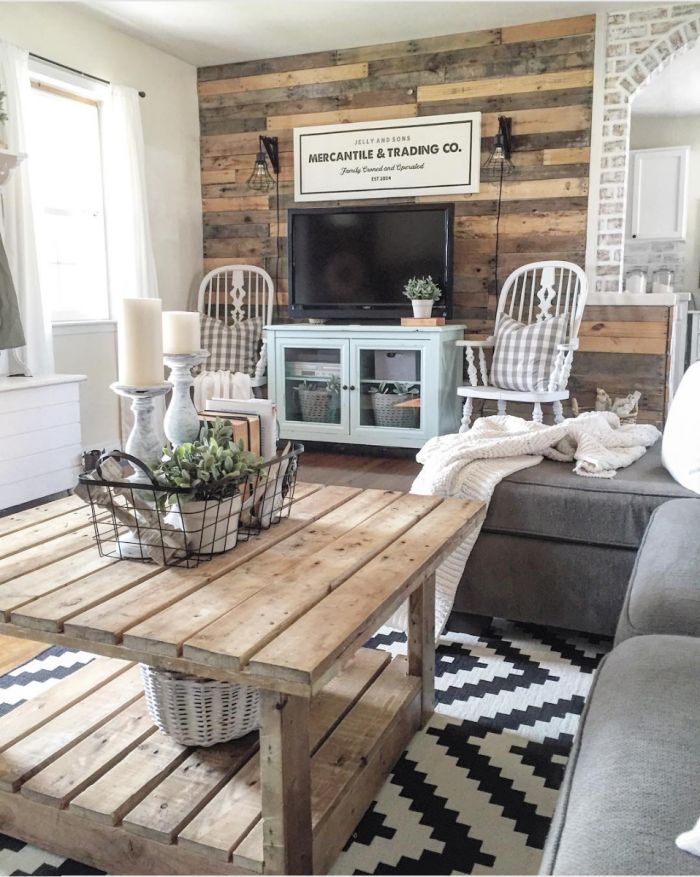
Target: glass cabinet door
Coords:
[[389, 387], [311, 380]]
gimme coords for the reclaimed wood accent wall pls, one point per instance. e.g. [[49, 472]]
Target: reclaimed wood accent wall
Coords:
[[539, 74]]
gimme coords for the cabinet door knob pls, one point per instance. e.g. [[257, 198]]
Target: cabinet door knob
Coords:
[[345, 386], [352, 386]]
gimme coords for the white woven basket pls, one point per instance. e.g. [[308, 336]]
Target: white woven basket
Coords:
[[199, 712]]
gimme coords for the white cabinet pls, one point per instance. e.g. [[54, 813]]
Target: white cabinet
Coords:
[[40, 443], [658, 194], [374, 385]]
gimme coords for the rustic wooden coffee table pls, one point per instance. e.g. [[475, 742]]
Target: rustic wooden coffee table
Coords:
[[85, 773]]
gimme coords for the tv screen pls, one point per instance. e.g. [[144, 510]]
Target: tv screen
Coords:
[[352, 263]]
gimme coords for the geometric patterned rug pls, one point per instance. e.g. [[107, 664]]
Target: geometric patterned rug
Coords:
[[476, 789]]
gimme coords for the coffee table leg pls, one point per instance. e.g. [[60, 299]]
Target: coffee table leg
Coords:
[[285, 774], [421, 643]]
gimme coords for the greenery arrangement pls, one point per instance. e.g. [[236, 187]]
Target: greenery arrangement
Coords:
[[397, 388], [210, 467], [331, 386], [422, 289]]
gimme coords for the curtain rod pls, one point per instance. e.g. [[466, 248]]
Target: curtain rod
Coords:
[[73, 70]]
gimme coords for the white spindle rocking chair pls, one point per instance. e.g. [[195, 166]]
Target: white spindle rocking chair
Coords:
[[234, 293], [531, 294]]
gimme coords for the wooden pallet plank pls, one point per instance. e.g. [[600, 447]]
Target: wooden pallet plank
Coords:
[[561, 79], [104, 847], [29, 517], [42, 555], [34, 713], [546, 30], [359, 605], [340, 117], [225, 822], [645, 346], [68, 775], [108, 620], [165, 811], [166, 632], [50, 611], [283, 79], [623, 329], [230, 641], [121, 788], [42, 531], [20, 761]]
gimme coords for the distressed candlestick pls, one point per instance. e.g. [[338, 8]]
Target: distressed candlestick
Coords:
[[181, 419], [144, 440]]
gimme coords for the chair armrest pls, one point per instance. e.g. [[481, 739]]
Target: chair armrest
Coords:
[[488, 342]]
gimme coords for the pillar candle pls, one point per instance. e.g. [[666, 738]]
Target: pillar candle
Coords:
[[141, 342], [181, 332]]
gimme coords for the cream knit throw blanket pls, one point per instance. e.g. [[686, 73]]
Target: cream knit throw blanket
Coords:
[[470, 465]]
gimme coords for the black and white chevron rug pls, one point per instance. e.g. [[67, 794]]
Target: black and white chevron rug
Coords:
[[475, 791]]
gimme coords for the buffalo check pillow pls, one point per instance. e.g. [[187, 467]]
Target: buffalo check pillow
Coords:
[[524, 354], [231, 348]]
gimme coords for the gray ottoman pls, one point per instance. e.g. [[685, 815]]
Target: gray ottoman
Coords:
[[632, 781], [664, 591], [558, 549]]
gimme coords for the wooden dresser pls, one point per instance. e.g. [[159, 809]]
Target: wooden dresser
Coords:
[[39, 436]]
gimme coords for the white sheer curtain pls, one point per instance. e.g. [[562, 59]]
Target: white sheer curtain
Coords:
[[131, 264], [18, 231]]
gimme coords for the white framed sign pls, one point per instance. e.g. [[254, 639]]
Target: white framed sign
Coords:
[[428, 155]]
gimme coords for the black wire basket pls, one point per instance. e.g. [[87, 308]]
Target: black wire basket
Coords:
[[136, 518]]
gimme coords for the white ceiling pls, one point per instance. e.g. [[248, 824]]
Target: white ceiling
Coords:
[[205, 32], [675, 91]]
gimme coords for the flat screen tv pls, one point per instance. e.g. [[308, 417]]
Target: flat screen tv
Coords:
[[351, 263]]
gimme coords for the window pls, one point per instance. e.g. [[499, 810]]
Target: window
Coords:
[[66, 166]]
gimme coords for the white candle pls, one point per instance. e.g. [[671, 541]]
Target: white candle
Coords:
[[141, 342], [181, 332]]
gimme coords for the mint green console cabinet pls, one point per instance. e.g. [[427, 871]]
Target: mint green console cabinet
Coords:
[[330, 382]]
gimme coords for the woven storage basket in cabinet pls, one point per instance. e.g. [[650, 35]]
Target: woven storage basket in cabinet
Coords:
[[315, 405], [199, 712], [386, 412]]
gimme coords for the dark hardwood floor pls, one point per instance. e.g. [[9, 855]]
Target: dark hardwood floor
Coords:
[[358, 470]]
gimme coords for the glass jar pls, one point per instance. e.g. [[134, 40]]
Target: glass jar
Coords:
[[636, 281], [662, 280]]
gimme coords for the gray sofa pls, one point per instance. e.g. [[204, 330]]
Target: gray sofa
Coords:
[[558, 549], [632, 783]]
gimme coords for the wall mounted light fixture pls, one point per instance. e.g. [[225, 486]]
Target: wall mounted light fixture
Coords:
[[499, 162], [261, 180], [497, 166]]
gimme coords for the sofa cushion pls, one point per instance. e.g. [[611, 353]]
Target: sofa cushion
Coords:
[[631, 785], [551, 502], [664, 591]]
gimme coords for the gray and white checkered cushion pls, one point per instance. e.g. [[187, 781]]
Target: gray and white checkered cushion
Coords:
[[524, 354], [231, 348]]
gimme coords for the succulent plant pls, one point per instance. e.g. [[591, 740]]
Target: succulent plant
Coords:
[[210, 467], [422, 289]]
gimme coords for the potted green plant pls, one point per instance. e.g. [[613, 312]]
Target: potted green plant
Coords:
[[422, 291], [389, 400], [211, 470], [318, 400]]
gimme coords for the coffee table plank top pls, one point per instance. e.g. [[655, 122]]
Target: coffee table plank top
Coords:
[[280, 610]]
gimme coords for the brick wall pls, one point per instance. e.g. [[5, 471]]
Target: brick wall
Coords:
[[639, 45]]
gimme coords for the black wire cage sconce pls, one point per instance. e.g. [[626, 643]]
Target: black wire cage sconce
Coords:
[[261, 180], [499, 163]]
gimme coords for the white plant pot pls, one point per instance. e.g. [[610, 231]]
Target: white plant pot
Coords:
[[209, 526], [422, 307]]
